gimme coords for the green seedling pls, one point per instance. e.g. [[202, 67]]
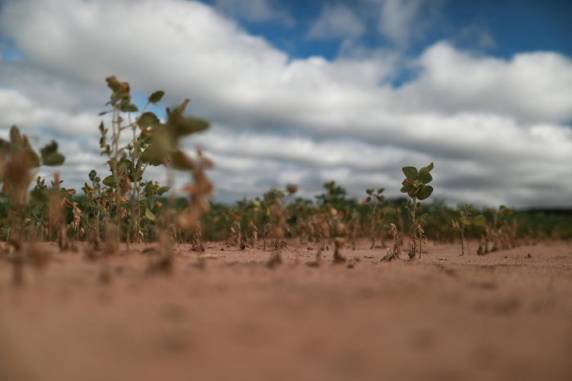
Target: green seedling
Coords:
[[375, 200], [416, 186], [467, 217]]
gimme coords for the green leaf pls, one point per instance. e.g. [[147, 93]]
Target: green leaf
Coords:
[[152, 155], [149, 215], [163, 190], [427, 169], [148, 120], [181, 125], [129, 107], [160, 148], [189, 125], [53, 159], [179, 160], [156, 96], [425, 177], [51, 156], [410, 172], [135, 175], [424, 192], [109, 181], [407, 186]]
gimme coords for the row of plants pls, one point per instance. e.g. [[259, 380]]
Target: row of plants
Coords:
[[123, 206]]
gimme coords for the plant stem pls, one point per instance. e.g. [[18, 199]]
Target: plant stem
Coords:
[[414, 226], [114, 157], [136, 196], [462, 241]]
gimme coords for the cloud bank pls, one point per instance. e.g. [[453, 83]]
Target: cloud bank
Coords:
[[497, 129]]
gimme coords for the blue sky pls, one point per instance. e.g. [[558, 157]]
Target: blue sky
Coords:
[[309, 91], [513, 26]]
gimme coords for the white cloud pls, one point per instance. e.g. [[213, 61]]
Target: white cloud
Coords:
[[51, 90], [254, 10], [17, 109], [337, 21], [532, 87], [494, 127], [398, 20]]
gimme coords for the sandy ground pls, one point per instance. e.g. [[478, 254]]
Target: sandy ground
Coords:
[[504, 316]]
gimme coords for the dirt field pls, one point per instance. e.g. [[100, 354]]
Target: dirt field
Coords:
[[507, 315]]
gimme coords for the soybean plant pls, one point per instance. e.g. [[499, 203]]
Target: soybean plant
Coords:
[[467, 217], [416, 185]]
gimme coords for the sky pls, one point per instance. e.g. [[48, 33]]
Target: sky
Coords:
[[310, 91]]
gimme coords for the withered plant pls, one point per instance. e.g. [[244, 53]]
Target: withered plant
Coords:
[[395, 250], [467, 217], [57, 200], [339, 233], [200, 192], [18, 160], [164, 149], [276, 225], [375, 200], [353, 228], [500, 232], [320, 230]]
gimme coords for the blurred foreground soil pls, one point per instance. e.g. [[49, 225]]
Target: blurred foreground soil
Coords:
[[506, 315]]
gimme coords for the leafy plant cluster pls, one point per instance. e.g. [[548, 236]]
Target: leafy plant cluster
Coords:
[[120, 207], [124, 206]]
